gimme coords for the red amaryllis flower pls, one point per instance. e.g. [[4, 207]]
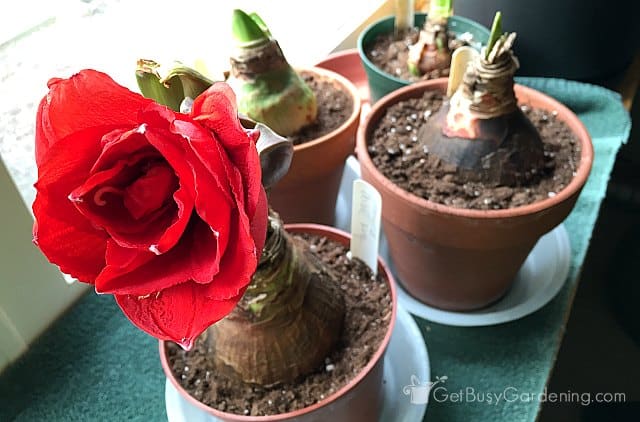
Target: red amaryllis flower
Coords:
[[161, 209]]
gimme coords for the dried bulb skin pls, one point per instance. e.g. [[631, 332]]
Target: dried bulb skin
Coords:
[[250, 62], [289, 320]]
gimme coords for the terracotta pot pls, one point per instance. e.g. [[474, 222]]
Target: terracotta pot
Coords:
[[360, 400], [348, 64], [308, 192], [462, 259]]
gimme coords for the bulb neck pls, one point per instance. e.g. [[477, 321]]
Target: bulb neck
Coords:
[[488, 86], [249, 61]]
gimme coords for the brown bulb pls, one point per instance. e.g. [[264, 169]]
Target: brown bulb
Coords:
[[481, 130], [434, 59], [288, 321], [503, 150]]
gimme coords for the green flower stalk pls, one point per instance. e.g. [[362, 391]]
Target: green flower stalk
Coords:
[[268, 89], [431, 51], [170, 86]]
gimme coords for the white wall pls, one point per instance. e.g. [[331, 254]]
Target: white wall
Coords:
[[33, 293]]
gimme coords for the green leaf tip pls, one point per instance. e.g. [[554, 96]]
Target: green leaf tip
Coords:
[[496, 33], [413, 69], [440, 9], [257, 19], [246, 30]]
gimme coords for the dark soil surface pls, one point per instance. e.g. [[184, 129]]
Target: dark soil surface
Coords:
[[396, 152], [335, 105], [368, 310], [390, 54]]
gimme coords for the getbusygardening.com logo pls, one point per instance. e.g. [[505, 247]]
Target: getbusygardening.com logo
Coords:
[[420, 394]]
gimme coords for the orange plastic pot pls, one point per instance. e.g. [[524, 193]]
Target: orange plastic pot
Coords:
[[360, 400], [308, 192], [463, 259]]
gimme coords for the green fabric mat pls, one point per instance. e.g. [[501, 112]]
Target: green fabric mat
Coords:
[[92, 364], [520, 355]]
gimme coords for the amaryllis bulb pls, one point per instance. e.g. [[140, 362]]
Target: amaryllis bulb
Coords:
[[268, 89], [481, 130], [289, 319], [432, 51]]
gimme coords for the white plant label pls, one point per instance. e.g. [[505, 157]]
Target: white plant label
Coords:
[[404, 10], [365, 223], [459, 61]]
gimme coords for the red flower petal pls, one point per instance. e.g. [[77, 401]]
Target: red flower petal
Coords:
[[213, 199], [126, 259], [216, 109], [210, 162], [115, 199], [239, 262], [133, 219], [251, 178], [259, 222], [102, 199], [150, 191], [43, 131], [62, 233], [180, 313], [201, 150], [86, 100], [195, 257], [172, 234], [72, 245], [122, 143], [211, 153]]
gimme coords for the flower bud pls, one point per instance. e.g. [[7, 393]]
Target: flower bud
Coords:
[[170, 86]]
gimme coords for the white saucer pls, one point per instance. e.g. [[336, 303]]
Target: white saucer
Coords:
[[538, 281], [406, 360]]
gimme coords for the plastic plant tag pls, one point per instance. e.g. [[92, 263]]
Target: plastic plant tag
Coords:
[[404, 10], [365, 223], [459, 61]]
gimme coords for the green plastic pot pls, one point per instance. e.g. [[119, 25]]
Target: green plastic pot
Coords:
[[382, 83]]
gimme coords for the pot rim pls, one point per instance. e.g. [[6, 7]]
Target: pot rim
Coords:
[[353, 117], [382, 73], [549, 103], [379, 353], [336, 55]]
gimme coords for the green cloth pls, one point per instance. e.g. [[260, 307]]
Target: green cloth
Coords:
[[520, 355], [92, 364]]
